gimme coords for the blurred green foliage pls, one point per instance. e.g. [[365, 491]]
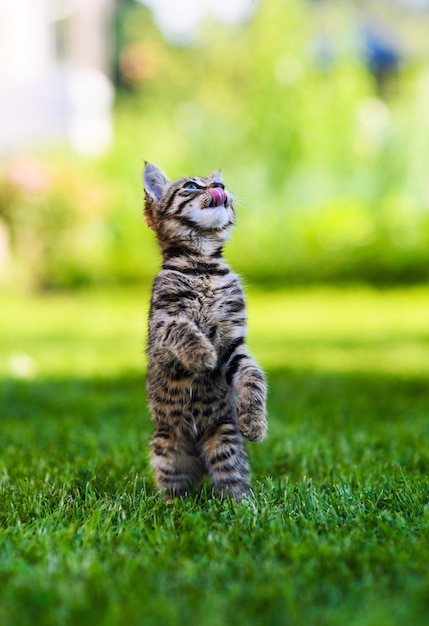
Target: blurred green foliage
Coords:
[[329, 178]]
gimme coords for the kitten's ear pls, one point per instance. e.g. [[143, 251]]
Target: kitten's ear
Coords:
[[154, 181], [216, 176]]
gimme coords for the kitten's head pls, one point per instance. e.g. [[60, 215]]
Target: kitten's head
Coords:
[[188, 209]]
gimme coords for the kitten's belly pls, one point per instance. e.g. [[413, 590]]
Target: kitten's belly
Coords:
[[191, 400]]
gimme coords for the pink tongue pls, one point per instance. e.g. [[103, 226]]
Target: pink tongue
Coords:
[[218, 195]]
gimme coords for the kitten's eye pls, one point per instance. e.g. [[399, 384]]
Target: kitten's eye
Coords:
[[190, 186]]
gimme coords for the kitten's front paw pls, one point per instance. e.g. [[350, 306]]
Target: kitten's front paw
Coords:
[[251, 419], [253, 431], [202, 359]]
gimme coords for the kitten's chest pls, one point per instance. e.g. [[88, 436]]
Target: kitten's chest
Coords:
[[218, 308]]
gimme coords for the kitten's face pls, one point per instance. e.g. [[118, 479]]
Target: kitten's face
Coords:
[[184, 208]]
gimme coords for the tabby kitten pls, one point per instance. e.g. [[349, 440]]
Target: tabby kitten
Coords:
[[205, 391]]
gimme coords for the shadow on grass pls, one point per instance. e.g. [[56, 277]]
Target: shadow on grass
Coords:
[[75, 431], [321, 425]]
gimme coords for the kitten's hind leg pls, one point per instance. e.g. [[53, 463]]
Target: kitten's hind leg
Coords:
[[177, 468], [225, 458]]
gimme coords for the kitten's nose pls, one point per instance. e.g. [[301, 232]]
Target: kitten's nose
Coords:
[[214, 184]]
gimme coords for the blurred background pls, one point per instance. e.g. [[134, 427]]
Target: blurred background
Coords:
[[317, 112]]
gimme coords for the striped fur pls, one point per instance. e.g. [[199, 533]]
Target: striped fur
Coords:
[[206, 393]]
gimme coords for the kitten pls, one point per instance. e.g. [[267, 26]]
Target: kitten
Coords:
[[206, 393]]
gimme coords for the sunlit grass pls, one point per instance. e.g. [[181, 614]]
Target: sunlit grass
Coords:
[[78, 335], [328, 329], [323, 329]]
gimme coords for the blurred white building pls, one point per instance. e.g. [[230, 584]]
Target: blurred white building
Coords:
[[54, 74]]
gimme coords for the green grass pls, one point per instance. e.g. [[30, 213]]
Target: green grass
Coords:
[[338, 529]]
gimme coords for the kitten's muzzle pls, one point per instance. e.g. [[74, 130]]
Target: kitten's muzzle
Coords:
[[218, 194], [215, 195]]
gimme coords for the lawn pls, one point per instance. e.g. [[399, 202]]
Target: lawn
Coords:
[[337, 531]]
